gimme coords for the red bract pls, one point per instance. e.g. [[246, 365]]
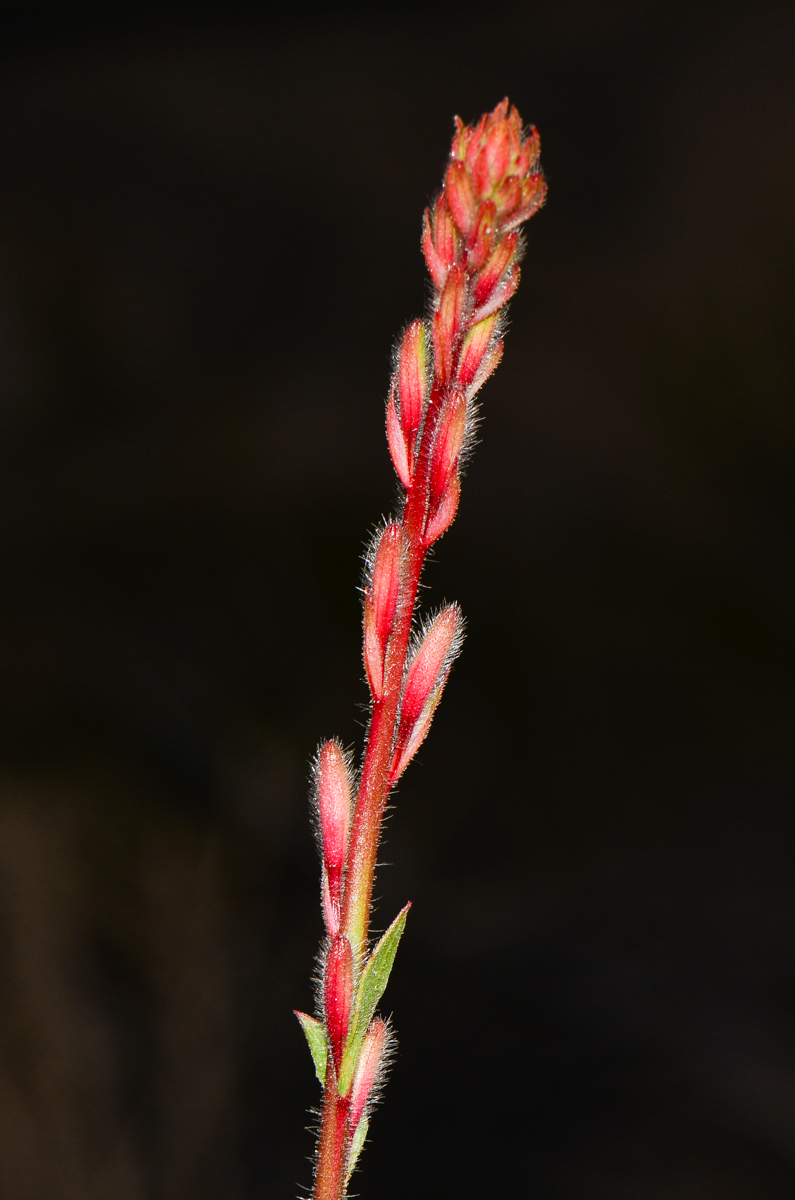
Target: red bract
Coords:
[[472, 248]]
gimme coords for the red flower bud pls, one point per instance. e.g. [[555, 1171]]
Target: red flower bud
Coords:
[[434, 261], [501, 295], [381, 604], [333, 790], [371, 1058], [338, 993], [412, 376], [443, 515], [482, 241], [534, 193], [397, 443], [495, 268], [460, 196], [475, 347], [425, 680], [447, 443], [447, 323]]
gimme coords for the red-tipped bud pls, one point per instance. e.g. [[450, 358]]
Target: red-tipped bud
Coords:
[[474, 350], [338, 993], [461, 196], [368, 1070], [397, 443], [447, 443], [482, 241], [380, 605], [412, 376], [447, 322], [443, 515], [425, 680], [495, 269]]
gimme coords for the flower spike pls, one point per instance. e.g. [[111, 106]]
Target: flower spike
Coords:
[[472, 247]]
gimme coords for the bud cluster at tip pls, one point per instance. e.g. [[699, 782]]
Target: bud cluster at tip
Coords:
[[472, 247]]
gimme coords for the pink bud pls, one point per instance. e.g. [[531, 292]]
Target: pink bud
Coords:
[[397, 443], [447, 443], [333, 798], [495, 268], [334, 803], [443, 515], [460, 196], [425, 680], [412, 374], [474, 349], [370, 1059], [338, 993], [447, 323], [381, 604]]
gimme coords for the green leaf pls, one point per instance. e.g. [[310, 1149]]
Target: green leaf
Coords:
[[357, 1141], [371, 988], [318, 1045]]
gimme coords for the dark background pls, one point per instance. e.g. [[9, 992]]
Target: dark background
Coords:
[[209, 226]]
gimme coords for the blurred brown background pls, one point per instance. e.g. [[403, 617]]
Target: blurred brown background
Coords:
[[209, 226]]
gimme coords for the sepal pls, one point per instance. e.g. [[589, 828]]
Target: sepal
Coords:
[[318, 1045]]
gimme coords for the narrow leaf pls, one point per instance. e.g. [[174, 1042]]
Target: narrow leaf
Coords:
[[318, 1046], [371, 989], [357, 1141]]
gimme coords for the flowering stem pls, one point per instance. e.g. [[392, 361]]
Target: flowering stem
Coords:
[[472, 248], [375, 785]]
